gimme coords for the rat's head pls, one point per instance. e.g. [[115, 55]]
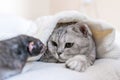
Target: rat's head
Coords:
[[36, 47], [23, 47]]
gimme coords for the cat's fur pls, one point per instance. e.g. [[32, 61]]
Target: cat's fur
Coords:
[[72, 44], [14, 53]]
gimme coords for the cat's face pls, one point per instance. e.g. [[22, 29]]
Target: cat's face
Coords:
[[66, 42]]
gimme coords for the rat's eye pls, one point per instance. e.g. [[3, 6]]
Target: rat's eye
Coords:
[[54, 43], [69, 45]]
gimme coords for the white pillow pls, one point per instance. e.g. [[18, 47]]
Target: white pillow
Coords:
[[11, 26]]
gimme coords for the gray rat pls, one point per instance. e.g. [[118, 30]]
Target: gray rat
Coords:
[[14, 53]]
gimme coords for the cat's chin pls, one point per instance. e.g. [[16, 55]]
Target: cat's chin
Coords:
[[61, 60]]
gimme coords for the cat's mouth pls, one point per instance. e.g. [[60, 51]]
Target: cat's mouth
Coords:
[[59, 58]]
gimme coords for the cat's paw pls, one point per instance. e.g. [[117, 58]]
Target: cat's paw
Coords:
[[78, 63]]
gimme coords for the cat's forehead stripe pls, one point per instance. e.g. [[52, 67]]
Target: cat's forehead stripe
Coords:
[[62, 33], [59, 34]]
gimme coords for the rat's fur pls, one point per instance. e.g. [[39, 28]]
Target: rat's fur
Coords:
[[14, 53]]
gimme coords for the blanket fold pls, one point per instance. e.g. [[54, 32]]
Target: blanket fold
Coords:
[[107, 42], [103, 33]]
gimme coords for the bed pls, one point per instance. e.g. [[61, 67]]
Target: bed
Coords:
[[106, 67]]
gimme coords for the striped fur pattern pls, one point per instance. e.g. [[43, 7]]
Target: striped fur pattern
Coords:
[[72, 44]]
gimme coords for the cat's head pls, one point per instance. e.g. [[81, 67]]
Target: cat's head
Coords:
[[66, 42]]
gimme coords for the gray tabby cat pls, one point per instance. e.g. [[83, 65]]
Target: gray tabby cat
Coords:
[[73, 45]]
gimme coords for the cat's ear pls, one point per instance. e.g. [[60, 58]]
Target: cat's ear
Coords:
[[83, 28]]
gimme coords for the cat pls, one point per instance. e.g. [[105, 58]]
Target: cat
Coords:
[[72, 44], [14, 53]]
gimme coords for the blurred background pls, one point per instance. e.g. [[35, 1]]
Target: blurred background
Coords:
[[108, 10]]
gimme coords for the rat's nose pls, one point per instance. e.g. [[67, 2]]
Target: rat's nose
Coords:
[[42, 48]]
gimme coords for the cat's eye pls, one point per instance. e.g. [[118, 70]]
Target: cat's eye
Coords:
[[54, 43], [69, 45]]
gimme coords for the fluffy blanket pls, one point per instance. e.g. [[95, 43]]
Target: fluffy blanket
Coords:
[[108, 51], [103, 33]]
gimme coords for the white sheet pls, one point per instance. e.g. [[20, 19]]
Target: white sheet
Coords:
[[11, 26], [103, 69]]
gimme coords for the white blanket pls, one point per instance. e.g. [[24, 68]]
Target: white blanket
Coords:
[[108, 48], [104, 69], [11, 26]]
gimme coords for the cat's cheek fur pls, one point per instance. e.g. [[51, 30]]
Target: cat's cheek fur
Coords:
[[52, 50], [78, 63]]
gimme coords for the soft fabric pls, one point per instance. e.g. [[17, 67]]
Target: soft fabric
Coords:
[[11, 26], [103, 33], [103, 69]]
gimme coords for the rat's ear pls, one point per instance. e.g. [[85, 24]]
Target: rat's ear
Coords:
[[31, 46]]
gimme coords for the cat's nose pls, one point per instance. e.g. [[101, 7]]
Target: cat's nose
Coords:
[[59, 53]]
